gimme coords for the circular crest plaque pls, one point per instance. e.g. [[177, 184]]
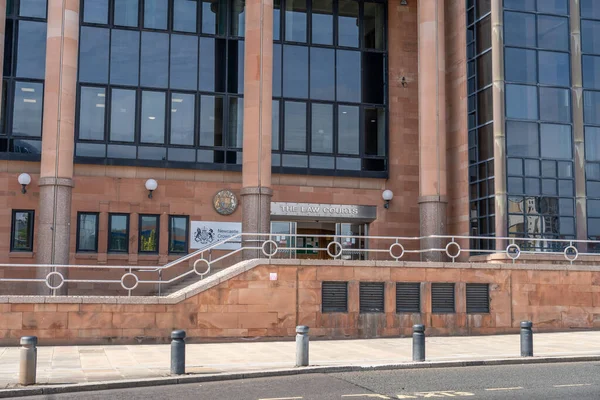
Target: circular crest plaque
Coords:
[[225, 202]]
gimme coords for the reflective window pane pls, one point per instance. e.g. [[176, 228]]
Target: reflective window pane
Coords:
[[91, 113], [555, 105], [214, 16], [484, 70], [523, 5], [183, 108], [556, 141], [348, 130], [122, 120], [27, 109], [322, 22], [276, 70], [295, 71], [275, 126], [524, 71], [590, 36], [126, 12], [153, 117], [212, 65], [294, 126], [295, 20], [554, 68], [553, 6], [184, 15], [95, 11], [33, 8], [592, 143], [276, 19], [374, 26], [178, 233], [211, 121], [591, 72], [373, 77], [118, 236], [348, 23], [348, 76], [522, 139], [31, 50], [374, 128], [149, 233], [155, 60], [553, 32], [322, 128], [591, 107], [519, 29], [124, 58], [322, 75], [483, 31], [236, 122], [485, 109], [87, 230], [155, 14], [22, 231], [238, 24], [93, 55], [184, 61], [590, 9], [521, 102]]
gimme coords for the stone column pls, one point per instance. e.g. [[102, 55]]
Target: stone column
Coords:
[[258, 70], [432, 124], [501, 198], [578, 128], [56, 171]]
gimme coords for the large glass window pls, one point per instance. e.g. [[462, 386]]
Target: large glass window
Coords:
[[118, 233], [149, 233], [21, 237], [178, 234], [160, 82], [87, 232], [23, 79], [329, 78]]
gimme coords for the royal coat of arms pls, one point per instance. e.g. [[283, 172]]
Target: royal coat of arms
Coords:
[[204, 235], [225, 202]]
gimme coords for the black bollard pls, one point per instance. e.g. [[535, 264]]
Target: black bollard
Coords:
[[419, 343], [177, 352], [526, 339]]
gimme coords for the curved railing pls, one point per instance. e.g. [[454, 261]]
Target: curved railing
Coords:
[[200, 263]]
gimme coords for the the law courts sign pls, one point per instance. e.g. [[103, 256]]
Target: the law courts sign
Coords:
[[323, 212], [206, 233]]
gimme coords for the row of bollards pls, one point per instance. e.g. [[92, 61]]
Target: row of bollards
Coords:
[[28, 351]]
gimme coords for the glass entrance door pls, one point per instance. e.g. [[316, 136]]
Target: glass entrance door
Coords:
[[280, 234], [352, 240]]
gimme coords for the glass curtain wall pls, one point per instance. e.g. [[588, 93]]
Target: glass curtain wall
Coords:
[[23, 79], [480, 121], [330, 87], [590, 46], [539, 138], [161, 83]]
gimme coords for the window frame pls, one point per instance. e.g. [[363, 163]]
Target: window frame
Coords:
[[77, 242], [187, 234], [128, 233], [140, 217], [30, 235]]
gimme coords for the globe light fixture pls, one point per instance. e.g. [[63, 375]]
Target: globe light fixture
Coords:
[[24, 180], [151, 186], [387, 196]]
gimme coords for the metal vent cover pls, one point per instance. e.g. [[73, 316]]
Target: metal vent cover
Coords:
[[442, 298], [334, 297], [408, 297], [372, 298], [478, 298]]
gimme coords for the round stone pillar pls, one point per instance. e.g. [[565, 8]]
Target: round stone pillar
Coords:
[[56, 171], [256, 166], [432, 129]]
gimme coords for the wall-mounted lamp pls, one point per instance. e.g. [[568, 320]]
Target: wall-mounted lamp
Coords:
[[404, 82], [24, 180], [387, 196], [151, 186], [403, 3]]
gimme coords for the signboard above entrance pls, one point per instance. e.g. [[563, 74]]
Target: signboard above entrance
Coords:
[[323, 212]]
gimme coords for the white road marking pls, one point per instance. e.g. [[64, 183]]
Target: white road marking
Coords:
[[573, 385], [507, 388], [283, 398], [371, 395]]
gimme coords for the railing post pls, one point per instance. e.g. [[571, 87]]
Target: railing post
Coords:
[[28, 362], [526, 339], [302, 346], [178, 352], [419, 343]]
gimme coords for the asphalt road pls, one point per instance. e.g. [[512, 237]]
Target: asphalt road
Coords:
[[541, 381]]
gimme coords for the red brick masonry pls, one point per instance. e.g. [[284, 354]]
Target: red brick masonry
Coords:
[[244, 302]]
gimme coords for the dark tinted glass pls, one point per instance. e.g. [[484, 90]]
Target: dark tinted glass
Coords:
[[122, 121], [555, 105], [590, 36], [590, 9], [212, 65], [27, 109], [211, 121], [124, 60], [213, 16], [374, 26], [592, 143], [178, 233], [87, 228], [153, 117], [295, 71], [236, 122], [484, 34], [277, 20], [373, 73], [348, 130], [118, 240], [554, 68], [521, 65], [522, 139], [95, 11], [184, 15], [91, 113], [553, 6], [295, 20], [275, 125], [33, 8], [322, 75], [519, 29], [591, 72], [553, 33], [556, 141], [93, 55], [31, 50], [155, 14], [236, 66], [294, 126], [155, 60], [322, 22], [184, 62], [322, 128], [521, 102], [348, 76], [182, 118], [126, 12], [591, 107], [374, 128], [276, 70], [524, 5], [348, 23]]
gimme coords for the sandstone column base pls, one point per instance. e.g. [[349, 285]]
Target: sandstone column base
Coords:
[[256, 218], [432, 211], [54, 228]]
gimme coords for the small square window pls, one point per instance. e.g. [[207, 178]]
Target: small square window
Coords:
[[87, 232], [21, 237]]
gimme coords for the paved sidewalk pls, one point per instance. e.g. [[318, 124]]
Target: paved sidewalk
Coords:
[[81, 364]]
